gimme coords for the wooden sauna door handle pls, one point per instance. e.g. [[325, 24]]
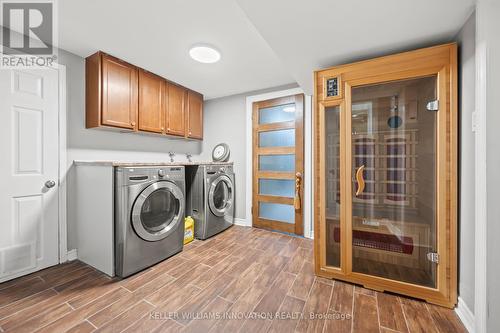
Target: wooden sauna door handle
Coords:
[[360, 179], [298, 182]]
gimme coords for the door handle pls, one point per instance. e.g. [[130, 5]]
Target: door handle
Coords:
[[361, 180], [298, 183], [50, 184]]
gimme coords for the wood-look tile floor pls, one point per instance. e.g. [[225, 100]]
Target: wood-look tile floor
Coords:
[[234, 282]]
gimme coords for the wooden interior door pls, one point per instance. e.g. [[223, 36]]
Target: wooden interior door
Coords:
[[151, 100], [119, 93], [278, 164], [386, 174]]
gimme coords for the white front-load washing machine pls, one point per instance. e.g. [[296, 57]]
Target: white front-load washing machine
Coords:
[[149, 216], [210, 198]]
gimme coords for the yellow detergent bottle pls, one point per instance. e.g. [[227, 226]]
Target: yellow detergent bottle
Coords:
[[188, 229]]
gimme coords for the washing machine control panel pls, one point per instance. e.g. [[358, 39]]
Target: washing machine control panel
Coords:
[[137, 175]]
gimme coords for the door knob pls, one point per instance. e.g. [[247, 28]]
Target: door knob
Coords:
[[50, 184]]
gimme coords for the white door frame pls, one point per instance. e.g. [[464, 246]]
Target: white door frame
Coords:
[[481, 231], [63, 229], [308, 150]]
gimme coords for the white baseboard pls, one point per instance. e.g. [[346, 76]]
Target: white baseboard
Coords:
[[246, 223], [72, 255], [242, 222], [465, 315]]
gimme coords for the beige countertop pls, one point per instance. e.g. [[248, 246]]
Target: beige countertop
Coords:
[[138, 164]]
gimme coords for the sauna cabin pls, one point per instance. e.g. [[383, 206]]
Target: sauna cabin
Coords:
[[386, 164]]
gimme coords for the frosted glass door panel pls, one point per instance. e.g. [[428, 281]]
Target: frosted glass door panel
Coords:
[[277, 114], [283, 163], [277, 212], [279, 187], [281, 138]]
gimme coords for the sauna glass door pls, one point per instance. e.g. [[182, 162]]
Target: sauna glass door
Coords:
[[393, 168]]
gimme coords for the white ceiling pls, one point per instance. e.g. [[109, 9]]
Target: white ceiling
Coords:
[[157, 34], [264, 43], [311, 35]]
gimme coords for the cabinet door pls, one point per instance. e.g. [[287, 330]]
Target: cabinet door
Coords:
[[175, 109], [195, 115], [151, 102], [119, 93]]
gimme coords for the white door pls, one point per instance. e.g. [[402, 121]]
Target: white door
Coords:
[[29, 155]]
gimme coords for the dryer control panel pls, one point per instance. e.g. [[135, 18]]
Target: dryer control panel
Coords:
[[212, 169]]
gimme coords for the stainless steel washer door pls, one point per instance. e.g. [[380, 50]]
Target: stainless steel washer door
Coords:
[[221, 195], [158, 210]]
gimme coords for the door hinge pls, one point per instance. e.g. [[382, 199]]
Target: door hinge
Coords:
[[433, 105], [433, 257]]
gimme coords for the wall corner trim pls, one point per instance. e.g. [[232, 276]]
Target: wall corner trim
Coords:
[[72, 255], [242, 222], [465, 315]]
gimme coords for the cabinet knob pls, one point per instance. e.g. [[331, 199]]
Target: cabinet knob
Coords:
[[190, 133], [132, 123], [163, 128], [168, 128]]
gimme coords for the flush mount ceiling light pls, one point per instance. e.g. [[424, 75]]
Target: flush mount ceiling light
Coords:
[[204, 53]]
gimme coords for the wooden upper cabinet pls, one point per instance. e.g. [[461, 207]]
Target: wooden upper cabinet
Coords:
[[151, 102], [175, 109], [111, 92], [195, 115], [119, 93], [122, 96]]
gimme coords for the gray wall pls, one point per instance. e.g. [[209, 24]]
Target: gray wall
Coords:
[[96, 144], [225, 121], [466, 39]]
